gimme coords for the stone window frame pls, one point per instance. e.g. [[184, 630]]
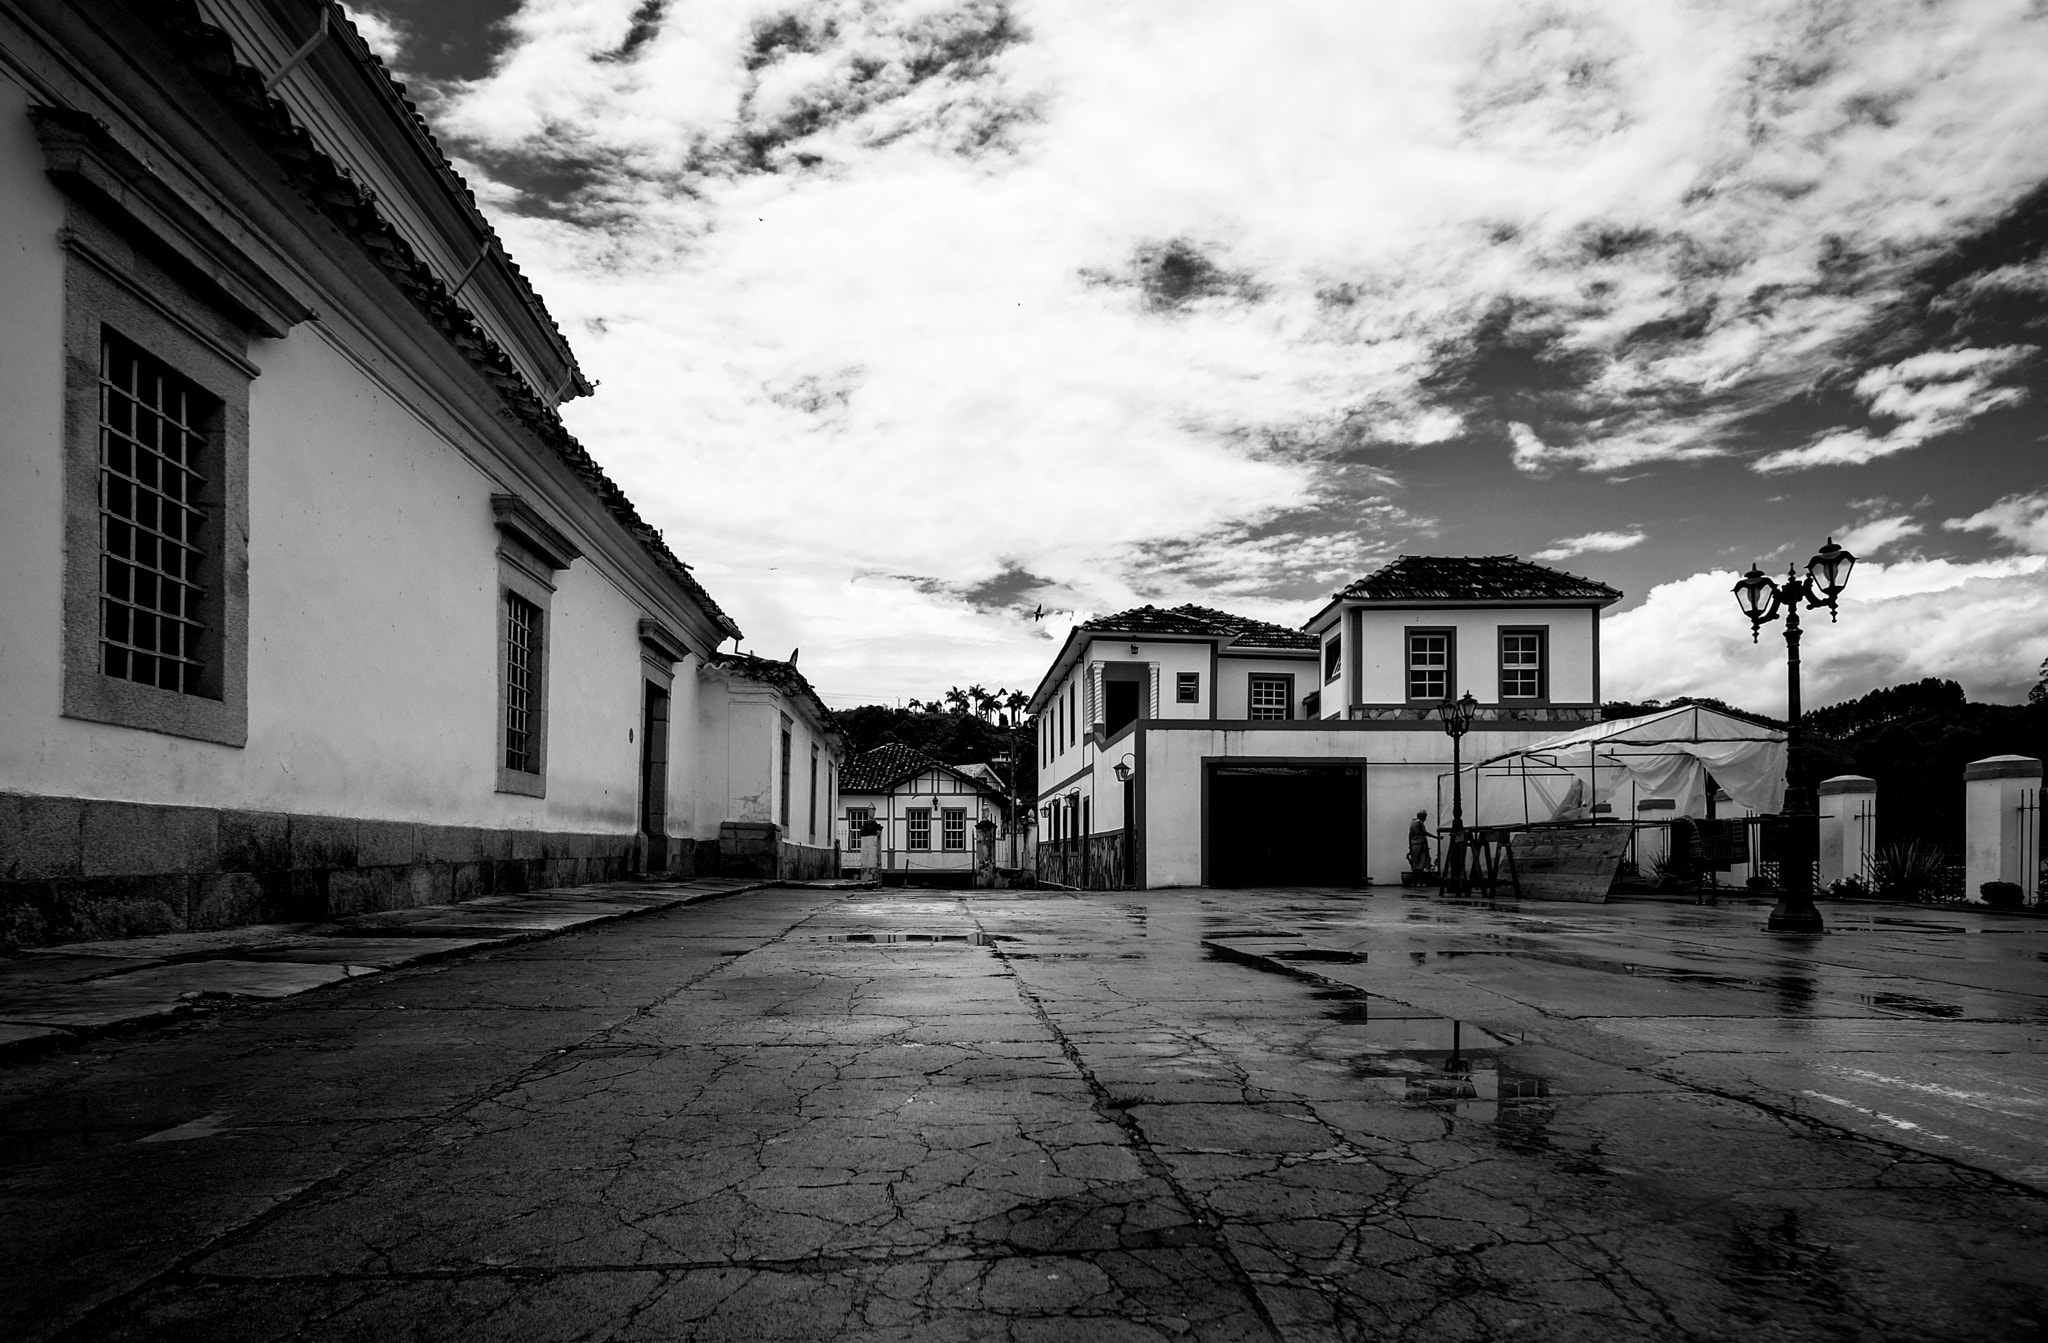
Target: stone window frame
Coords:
[[112, 288], [521, 576]]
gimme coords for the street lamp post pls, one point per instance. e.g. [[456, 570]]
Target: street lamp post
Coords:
[[1457, 715], [1762, 600]]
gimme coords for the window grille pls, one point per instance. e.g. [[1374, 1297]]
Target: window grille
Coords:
[[954, 835], [522, 684], [1187, 687], [1429, 666], [153, 532], [1269, 696], [1521, 665], [917, 828]]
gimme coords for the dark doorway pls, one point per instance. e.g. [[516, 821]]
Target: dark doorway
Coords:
[[1285, 825], [654, 777], [1119, 705]]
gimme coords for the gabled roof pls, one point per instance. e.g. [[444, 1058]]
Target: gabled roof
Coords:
[[1188, 621], [889, 764], [768, 671], [1468, 578]]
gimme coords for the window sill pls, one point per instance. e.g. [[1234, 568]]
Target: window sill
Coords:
[[522, 783]]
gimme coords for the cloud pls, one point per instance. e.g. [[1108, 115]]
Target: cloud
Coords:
[[1114, 298], [2021, 520], [1984, 624], [1866, 538], [385, 36], [1929, 395], [1597, 542]]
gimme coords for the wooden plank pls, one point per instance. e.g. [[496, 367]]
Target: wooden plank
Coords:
[[1569, 863]]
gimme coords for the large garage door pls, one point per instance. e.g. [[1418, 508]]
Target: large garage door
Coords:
[[1285, 825]]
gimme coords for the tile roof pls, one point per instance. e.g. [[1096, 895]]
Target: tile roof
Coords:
[[878, 770], [1200, 620], [782, 675], [1476, 578], [1256, 633]]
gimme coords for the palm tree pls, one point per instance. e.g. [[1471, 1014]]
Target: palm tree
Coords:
[[956, 700], [984, 703]]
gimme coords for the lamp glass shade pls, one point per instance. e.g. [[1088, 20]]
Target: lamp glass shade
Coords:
[[1123, 772], [1757, 596], [1468, 708], [1829, 569]]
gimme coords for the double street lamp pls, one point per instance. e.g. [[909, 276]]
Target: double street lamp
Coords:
[[1762, 600], [1457, 715]]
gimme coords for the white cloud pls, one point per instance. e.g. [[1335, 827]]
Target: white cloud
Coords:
[[2018, 519], [1591, 542], [383, 35], [1928, 394], [1377, 179], [1984, 624], [1871, 535]]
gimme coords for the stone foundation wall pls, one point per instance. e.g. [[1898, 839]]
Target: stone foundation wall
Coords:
[[73, 869]]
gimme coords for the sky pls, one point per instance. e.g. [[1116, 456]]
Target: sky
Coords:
[[925, 329]]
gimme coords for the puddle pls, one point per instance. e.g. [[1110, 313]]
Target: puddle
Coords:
[[908, 939], [206, 1126], [1908, 1003], [1323, 954]]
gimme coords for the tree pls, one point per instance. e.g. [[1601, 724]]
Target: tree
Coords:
[[2039, 694]]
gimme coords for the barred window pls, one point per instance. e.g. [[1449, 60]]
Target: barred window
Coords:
[[155, 442], [1429, 665], [954, 835], [1270, 696], [1521, 664], [918, 828], [522, 684]]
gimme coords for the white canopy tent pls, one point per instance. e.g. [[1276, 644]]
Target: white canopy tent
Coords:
[[1665, 756]]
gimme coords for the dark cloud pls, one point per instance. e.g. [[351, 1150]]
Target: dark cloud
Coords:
[[1176, 274], [1013, 588], [646, 23]]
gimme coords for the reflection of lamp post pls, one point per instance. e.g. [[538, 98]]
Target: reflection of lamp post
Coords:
[[1827, 573], [1457, 715]]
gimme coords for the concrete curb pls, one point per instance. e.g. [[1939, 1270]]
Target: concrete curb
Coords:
[[33, 1015]]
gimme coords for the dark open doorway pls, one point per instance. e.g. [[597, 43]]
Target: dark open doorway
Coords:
[[654, 778], [1284, 824]]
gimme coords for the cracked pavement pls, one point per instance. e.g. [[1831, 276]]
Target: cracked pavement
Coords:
[[809, 1114]]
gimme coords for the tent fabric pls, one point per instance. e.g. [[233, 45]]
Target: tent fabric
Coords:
[[1665, 755]]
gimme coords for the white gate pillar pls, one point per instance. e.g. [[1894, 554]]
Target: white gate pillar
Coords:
[[1848, 827], [2001, 825]]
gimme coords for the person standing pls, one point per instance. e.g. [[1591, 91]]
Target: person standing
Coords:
[[1419, 836]]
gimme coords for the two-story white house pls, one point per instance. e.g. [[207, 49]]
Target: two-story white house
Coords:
[[1192, 747]]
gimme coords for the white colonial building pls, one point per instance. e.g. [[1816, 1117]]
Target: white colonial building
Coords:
[[1191, 747], [927, 817], [312, 604]]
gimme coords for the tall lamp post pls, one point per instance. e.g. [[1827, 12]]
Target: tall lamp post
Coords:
[[1457, 715], [1762, 600]]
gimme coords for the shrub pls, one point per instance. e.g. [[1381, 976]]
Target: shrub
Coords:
[[2001, 894], [1849, 888], [1909, 871]]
